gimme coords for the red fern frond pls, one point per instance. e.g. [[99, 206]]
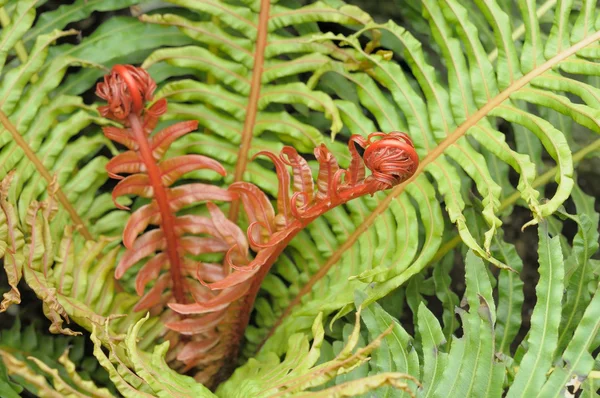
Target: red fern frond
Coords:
[[391, 158], [127, 89], [215, 300]]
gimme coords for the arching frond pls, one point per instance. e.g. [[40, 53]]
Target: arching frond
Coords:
[[456, 118]]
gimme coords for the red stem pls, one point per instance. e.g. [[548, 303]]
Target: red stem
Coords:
[[167, 222], [358, 191], [250, 297], [247, 302]]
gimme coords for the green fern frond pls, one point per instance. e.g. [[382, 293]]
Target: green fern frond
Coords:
[[41, 114], [396, 353], [46, 365], [471, 365], [228, 59], [73, 279], [455, 117], [268, 376]]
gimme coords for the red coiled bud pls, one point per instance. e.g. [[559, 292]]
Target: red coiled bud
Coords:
[[125, 89], [392, 159]]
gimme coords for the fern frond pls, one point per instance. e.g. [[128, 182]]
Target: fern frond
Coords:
[[127, 89], [155, 371], [30, 135], [45, 365], [455, 128], [470, 365], [74, 281], [266, 376], [395, 353], [577, 265]]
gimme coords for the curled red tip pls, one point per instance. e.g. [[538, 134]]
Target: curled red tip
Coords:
[[126, 89]]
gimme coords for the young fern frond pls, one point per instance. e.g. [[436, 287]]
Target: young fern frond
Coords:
[[222, 295], [127, 89], [455, 127]]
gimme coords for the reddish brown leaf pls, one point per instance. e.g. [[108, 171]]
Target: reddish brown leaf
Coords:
[[122, 136], [195, 349], [219, 302], [199, 292], [230, 280], [195, 245], [139, 221], [205, 271], [127, 162], [193, 224], [303, 179], [283, 176], [162, 140], [154, 295], [174, 168], [152, 114], [328, 167], [356, 171], [230, 232], [143, 247], [257, 206], [137, 184], [149, 272], [192, 326], [184, 195], [255, 237]]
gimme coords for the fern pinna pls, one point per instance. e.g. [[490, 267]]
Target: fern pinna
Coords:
[[214, 301]]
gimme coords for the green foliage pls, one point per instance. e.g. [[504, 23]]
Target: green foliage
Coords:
[[266, 376], [499, 98], [45, 365], [151, 370], [469, 365]]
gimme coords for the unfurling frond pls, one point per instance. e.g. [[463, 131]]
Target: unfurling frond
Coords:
[[220, 296], [127, 89]]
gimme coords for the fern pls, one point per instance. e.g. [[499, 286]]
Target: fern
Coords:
[[45, 366], [391, 160], [498, 98], [469, 366], [439, 121], [297, 370]]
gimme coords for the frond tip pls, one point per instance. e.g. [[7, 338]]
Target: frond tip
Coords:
[[125, 89], [391, 158]]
